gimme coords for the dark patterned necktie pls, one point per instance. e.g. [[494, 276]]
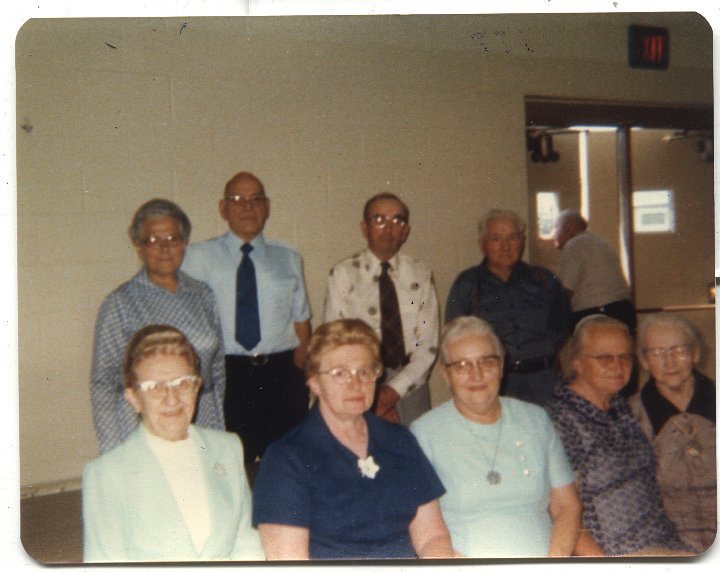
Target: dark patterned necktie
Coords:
[[391, 333], [247, 316]]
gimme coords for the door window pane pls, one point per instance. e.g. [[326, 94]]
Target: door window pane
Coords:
[[547, 212], [653, 211]]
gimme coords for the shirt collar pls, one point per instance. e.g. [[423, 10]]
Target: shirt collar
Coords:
[[144, 279], [234, 242], [583, 233], [660, 409], [587, 408], [182, 280], [521, 271], [315, 422], [375, 261]]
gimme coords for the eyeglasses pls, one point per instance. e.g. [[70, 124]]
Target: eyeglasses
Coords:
[[607, 360], [682, 351], [253, 202], [465, 367], [513, 238], [344, 375], [157, 389], [157, 242], [379, 221]]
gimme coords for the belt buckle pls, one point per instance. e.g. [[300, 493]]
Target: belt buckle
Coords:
[[514, 366], [258, 359]]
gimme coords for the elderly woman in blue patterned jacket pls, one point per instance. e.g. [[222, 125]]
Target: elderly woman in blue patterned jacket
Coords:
[[171, 491], [158, 294]]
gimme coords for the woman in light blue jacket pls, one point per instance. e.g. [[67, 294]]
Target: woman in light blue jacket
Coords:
[[510, 488], [172, 491]]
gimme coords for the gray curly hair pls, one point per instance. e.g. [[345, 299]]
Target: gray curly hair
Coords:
[[157, 208]]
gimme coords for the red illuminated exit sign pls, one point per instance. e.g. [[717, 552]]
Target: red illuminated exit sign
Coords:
[[648, 47]]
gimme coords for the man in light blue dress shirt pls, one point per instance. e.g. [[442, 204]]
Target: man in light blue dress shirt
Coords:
[[266, 393]]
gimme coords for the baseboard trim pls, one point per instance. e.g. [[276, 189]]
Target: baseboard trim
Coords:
[[56, 487]]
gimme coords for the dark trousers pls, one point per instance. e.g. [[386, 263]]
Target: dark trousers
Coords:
[[623, 310], [263, 400]]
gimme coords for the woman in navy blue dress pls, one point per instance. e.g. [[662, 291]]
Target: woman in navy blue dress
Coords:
[[343, 483]]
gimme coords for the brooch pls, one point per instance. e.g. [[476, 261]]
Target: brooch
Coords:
[[368, 467], [219, 470]]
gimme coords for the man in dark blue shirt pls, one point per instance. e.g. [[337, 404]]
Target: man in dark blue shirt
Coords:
[[526, 306]]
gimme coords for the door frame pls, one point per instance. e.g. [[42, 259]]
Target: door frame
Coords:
[[558, 113]]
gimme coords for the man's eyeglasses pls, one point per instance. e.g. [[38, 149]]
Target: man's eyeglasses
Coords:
[[464, 368], [514, 238], [380, 221], [157, 389], [158, 242], [344, 375], [682, 351], [607, 360], [253, 202]]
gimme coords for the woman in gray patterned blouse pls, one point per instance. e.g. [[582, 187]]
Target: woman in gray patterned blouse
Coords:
[[676, 409], [158, 293]]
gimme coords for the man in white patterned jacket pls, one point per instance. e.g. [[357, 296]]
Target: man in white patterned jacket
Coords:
[[353, 292]]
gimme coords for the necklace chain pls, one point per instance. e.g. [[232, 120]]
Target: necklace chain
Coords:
[[493, 477]]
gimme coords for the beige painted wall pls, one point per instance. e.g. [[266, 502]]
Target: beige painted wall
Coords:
[[327, 111]]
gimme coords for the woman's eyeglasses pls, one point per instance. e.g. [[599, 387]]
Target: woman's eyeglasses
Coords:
[[682, 351], [155, 388], [607, 360], [158, 242], [465, 367], [344, 375]]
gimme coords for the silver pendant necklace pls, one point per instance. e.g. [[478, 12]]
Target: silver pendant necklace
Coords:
[[493, 476]]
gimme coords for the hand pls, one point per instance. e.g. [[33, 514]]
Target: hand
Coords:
[[299, 358], [387, 397], [303, 330], [391, 415]]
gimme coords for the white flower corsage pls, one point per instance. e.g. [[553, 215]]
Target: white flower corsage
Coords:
[[368, 467]]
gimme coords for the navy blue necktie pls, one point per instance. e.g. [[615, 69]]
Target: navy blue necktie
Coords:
[[247, 317]]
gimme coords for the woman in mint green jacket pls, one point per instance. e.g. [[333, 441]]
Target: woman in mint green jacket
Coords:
[[172, 492]]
